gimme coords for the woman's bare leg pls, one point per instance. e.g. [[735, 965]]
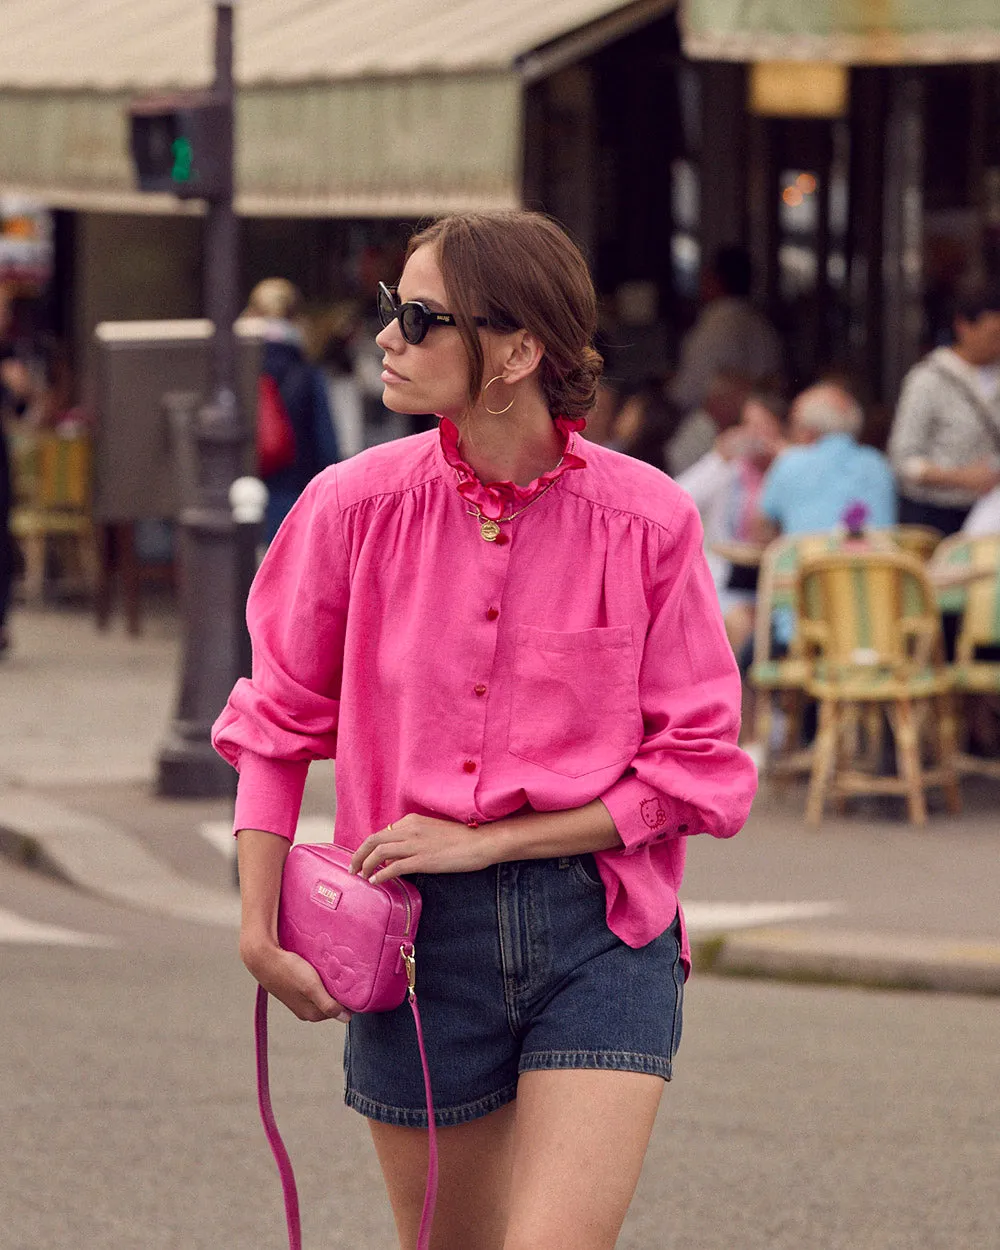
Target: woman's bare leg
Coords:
[[474, 1180], [579, 1144]]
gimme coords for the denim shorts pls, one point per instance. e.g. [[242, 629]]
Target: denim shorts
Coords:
[[517, 970]]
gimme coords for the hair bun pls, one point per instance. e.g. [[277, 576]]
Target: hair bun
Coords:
[[574, 392]]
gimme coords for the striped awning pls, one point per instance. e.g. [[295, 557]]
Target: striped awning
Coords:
[[852, 32], [357, 108]]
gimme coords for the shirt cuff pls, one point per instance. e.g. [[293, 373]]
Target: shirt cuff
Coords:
[[269, 794], [644, 815]]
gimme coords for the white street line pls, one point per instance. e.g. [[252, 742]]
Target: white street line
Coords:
[[720, 917], [701, 917], [219, 833], [15, 928]]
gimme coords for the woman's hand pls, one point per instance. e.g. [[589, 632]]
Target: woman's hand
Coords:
[[421, 844], [292, 980]]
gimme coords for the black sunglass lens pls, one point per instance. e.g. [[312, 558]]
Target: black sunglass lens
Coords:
[[412, 323]]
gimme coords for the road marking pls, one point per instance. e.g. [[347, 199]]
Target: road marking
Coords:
[[219, 833], [721, 917], [701, 917], [15, 928]]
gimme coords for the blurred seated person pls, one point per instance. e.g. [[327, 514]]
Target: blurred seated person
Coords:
[[945, 441], [726, 485], [730, 338], [811, 485], [303, 392]]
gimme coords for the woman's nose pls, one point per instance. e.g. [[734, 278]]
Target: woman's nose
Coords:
[[389, 337]]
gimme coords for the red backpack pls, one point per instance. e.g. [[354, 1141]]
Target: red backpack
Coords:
[[275, 436]]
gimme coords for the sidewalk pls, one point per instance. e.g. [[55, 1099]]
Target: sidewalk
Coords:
[[865, 899]]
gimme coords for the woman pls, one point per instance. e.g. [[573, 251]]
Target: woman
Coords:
[[510, 640]]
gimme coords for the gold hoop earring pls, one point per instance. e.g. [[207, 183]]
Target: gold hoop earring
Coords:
[[495, 412]]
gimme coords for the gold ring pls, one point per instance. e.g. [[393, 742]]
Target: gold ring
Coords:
[[388, 827]]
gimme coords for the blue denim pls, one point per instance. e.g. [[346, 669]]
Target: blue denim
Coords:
[[516, 970]]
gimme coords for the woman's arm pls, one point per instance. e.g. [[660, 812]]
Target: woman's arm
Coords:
[[426, 844], [289, 978]]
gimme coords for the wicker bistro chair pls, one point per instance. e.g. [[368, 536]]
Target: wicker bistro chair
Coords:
[[871, 630], [52, 504], [980, 629], [782, 680], [916, 540], [957, 562]]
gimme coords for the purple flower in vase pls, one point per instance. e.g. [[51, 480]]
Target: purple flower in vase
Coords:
[[854, 518]]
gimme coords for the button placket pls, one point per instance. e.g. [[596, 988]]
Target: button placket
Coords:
[[494, 577]]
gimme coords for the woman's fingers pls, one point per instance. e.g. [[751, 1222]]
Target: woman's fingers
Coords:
[[296, 983]]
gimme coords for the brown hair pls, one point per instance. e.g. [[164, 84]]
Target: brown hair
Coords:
[[522, 272]]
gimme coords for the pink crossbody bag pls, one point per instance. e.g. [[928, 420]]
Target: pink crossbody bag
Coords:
[[360, 939]]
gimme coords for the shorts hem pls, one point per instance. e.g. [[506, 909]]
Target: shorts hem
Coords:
[[417, 1117], [607, 1060]]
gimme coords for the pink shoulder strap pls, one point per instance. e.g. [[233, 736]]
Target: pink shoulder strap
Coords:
[[281, 1154]]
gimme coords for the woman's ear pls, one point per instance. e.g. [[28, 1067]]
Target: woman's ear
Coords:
[[522, 355]]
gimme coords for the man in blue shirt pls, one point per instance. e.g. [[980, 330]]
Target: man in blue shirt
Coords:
[[811, 485]]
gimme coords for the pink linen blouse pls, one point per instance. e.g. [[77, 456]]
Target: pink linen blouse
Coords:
[[580, 656]]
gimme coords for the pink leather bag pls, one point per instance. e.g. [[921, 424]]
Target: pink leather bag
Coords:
[[360, 939]]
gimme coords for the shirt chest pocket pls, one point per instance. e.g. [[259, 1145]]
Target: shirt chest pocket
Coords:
[[574, 699]]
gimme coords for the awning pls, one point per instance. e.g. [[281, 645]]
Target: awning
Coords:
[[853, 32], [344, 107]]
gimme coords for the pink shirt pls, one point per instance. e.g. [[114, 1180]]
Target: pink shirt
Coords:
[[581, 656]]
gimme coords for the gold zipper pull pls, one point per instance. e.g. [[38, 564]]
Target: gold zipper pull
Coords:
[[410, 964]]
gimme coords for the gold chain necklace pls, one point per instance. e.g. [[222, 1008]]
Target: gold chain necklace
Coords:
[[489, 529]]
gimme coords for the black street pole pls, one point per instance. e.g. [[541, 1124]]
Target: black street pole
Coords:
[[211, 586]]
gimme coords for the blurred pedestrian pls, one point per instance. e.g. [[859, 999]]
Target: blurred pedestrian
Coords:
[[945, 441], [644, 422], [17, 389], [336, 333], [726, 486], [509, 638], [303, 393], [731, 338]]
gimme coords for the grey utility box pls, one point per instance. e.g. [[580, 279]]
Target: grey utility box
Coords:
[[143, 462]]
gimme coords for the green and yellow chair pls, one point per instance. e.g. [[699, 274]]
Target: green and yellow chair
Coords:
[[870, 631], [52, 484], [781, 680], [980, 628]]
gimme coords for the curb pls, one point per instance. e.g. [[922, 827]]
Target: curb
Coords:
[[96, 856], [848, 957]]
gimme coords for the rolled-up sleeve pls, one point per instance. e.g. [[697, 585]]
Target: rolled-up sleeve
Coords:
[[689, 776], [286, 714]]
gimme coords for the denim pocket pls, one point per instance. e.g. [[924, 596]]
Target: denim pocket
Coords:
[[574, 699], [584, 868]]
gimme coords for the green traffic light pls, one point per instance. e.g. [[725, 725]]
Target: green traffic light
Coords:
[[183, 154]]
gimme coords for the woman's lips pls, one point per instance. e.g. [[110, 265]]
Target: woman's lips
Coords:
[[390, 375]]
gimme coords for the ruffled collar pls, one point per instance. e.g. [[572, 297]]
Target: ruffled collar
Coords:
[[496, 499]]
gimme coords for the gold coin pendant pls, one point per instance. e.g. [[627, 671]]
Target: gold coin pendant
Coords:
[[489, 530]]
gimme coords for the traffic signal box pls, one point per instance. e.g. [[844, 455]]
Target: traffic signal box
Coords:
[[182, 144]]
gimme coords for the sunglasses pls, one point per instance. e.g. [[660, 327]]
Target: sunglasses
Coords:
[[414, 319]]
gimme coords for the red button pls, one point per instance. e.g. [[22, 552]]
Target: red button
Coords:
[[501, 540], [473, 824], [480, 689], [469, 766], [492, 614]]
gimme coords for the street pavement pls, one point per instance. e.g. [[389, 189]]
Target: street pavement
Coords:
[[865, 898], [801, 1117]]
